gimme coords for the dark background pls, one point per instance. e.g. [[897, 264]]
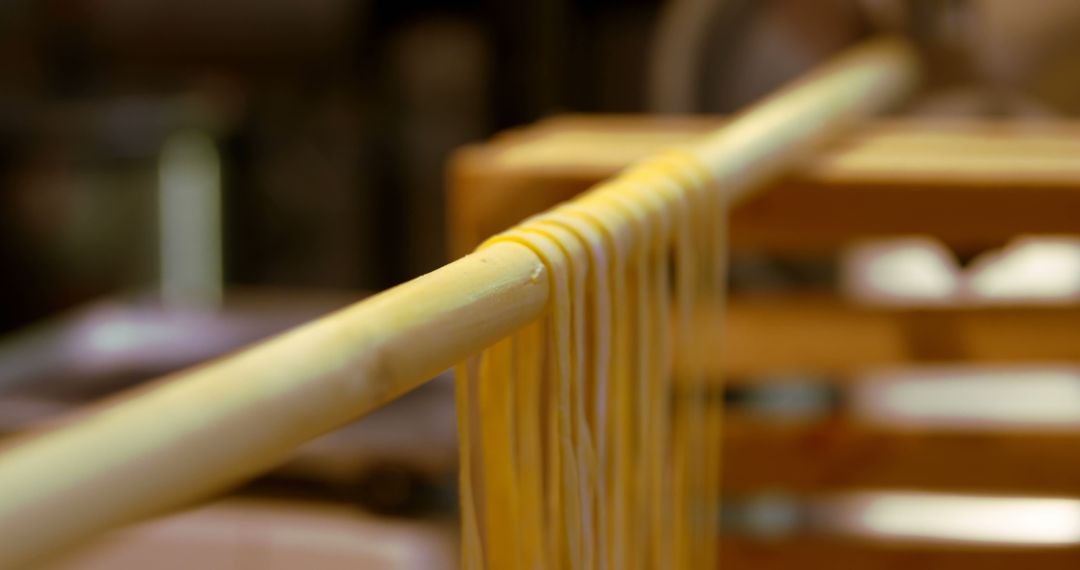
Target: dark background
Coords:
[[333, 119]]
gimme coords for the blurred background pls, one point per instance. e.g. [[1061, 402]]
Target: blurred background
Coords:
[[179, 179]]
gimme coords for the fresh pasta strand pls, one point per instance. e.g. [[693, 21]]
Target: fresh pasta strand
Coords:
[[605, 452], [601, 454]]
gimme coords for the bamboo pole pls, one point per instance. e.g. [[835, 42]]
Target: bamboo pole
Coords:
[[770, 137], [195, 433]]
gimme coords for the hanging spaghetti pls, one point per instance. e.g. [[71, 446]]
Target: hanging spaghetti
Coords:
[[586, 415], [587, 439]]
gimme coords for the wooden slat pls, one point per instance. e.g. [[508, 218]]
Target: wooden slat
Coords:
[[973, 183], [825, 336], [843, 454], [828, 335]]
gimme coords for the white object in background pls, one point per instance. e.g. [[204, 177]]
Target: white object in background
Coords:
[[189, 205], [909, 270], [1031, 269], [1028, 397], [940, 517]]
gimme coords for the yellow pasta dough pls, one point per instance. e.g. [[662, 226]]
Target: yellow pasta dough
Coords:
[[587, 441]]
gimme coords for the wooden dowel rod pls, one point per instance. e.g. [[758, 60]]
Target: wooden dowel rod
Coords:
[[196, 433], [777, 133]]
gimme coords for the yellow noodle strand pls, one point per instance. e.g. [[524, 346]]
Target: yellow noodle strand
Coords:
[[599, 444]]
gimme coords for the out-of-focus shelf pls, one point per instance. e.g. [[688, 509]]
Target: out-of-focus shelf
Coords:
[[973, 183], [826, 334], [840, 453], [990, 429]]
